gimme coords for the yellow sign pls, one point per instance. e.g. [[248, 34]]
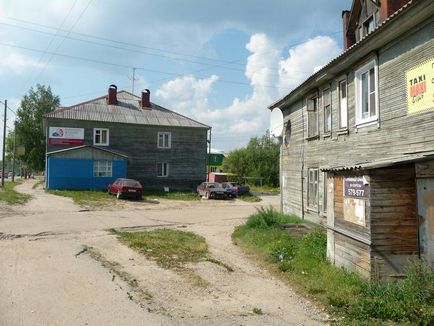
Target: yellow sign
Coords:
[[420, 87]]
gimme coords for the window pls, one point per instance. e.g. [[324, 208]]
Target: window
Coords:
[[366, 93], [312, 117], [343, 115], [101, 136], [324, 197], [312, 189], [213, 169], [164, 140], [102, 168], [326, 103], [368, 25], [162, 169]]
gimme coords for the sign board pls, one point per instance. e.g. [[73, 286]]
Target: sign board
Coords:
[[356, 187], [420, 87], [65, 136]]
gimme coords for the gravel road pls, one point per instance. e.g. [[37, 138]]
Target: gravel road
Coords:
[[48, 278]]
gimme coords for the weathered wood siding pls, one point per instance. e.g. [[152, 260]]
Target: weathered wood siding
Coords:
[[396, 132], [394, 226], [187, 156]]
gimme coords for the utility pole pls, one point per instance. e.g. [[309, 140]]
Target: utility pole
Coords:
[[4, 144], [134, 78], [14, 150]]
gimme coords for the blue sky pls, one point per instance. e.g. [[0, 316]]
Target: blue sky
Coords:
[[219, 62]]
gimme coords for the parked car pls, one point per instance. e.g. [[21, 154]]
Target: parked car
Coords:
[[123, 188], [235, 188], [211, 190]]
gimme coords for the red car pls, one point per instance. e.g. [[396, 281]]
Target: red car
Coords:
[[123, 188], [210, 190]]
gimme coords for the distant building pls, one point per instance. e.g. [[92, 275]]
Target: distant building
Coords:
[[215, 161], [90, 144], [358, 142]]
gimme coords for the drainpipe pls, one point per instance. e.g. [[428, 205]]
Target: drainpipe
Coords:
[[207, 159], [302, 162]]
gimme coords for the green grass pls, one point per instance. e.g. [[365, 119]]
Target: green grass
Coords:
[[40, 183], [302, 262], [172, 249], [86, 197], [173, 195], [249, 198], [10, 196], [265, 188]]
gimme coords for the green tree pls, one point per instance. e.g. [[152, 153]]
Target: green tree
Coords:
[[29, 127], [259, 159]]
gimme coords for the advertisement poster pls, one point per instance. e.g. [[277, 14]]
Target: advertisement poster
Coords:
[[65, 136], [420, 87]]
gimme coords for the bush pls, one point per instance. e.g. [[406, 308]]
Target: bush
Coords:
[[267, 218]]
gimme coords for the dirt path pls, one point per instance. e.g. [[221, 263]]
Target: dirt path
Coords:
[[48, 279]]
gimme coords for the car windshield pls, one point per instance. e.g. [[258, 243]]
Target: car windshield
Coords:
[[132, 183]]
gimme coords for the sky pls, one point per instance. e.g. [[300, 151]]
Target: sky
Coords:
[[219, 62]]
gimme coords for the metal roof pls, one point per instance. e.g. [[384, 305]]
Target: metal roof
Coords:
[[369, 165], [127, 110], [342, 59], [86, 146]]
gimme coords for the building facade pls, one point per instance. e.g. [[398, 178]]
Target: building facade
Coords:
[[160, 148], [358, 141]]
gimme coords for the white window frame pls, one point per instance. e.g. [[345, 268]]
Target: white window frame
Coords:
[[360, 121], [161, 170], [315, 183], [100, 130], [102, 169], [329, 90], [343, 105], [164, 145]]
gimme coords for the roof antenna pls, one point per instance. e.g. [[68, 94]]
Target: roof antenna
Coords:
[[133, 79]]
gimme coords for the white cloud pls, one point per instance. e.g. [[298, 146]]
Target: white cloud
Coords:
[[305, 59], [17, 63]]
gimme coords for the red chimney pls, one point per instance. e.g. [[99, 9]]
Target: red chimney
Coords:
[[146, 103], [112, 95], [347, 39]]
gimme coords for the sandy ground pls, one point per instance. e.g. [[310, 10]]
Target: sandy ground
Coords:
[[47, 279]]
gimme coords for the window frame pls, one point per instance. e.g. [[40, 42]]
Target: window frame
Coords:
[[329, 90], [315, 183], [315, 99], [169, 139], [163, 175], [101, 130], [108, 169], [340, 81], [365, 69]]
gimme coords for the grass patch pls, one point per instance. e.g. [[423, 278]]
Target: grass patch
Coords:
[[10, 196], [86, 197], [38, 184], [257, 311], [265, 188], [174, 195], [172, 249], [302, 262], [249, 198]]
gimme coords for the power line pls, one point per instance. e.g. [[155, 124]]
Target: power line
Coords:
[[125, 66], [49, 44], [63, 40]]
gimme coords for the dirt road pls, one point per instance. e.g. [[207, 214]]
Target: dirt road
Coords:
[[48, 278]]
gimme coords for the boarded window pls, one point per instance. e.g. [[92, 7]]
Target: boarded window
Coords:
[[312, 117], [312, 189]]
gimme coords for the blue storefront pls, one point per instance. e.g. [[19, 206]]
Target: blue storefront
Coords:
[[84, 168]]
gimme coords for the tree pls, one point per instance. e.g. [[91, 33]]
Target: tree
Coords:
[[260, 159], [29, 124]]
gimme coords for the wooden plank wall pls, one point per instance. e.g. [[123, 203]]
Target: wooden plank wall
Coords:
[[395, 134], [353, 255], [393, 216]]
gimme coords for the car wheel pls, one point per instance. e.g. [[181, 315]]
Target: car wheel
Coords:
[[119, 195]]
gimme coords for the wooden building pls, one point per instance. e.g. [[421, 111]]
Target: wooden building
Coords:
[[160, 148], [358, 141]]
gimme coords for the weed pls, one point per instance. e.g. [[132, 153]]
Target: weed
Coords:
[[257, 311]]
